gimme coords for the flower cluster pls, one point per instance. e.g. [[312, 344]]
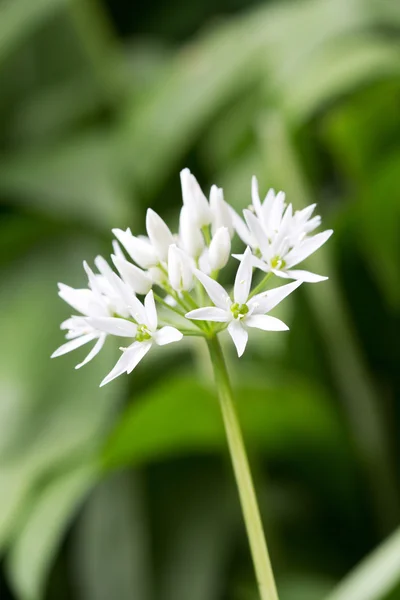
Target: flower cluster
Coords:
[[183, 269]]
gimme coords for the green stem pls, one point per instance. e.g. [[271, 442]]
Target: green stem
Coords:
[[260, 287], [251, 513]]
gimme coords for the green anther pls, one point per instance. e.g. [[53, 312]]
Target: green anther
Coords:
[[142, 334], [239, 310], [278, 263]]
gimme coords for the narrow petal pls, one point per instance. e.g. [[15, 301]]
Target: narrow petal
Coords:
[[167, 335], [93, 282], [159, 234], [266, 301], [241, 229], [136, 354], [151, 311], [208, 313], [239, 336], [128, 361], [256, 262], [113, 325], [94, 351], [306, 276], [307, 247], [137, 310], [243, 278], [258, 232], [215, 290], [255, 196], [73, 344], [138, 280], [266, 323], [84, 301]]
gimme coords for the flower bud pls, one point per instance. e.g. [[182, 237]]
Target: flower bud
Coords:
[[179, 269], [160, 236], [220, 213], [137, 279], [139, 249], [220, 249], [190, 236], [194, 199]]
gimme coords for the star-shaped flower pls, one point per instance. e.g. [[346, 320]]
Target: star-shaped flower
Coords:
[[243, 311], [143, 329]]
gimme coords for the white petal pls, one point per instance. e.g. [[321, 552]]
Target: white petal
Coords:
[[239, 336], [73, 344], [306, 276], [93, 282], [128, 361], [94, 351], [241, 229], [136, 308], [113, 325], [138, 280], [275, 216], [215, 290], [220, 249], [266, 301], [159, 234], [307, 247], [151, 311], [190, 237], [243, 278], [117, 250], [208, 313], [194, 199], [180, 272], [167, 335], [136, 354], [221, 216], [266, 323], [259, 234], [255, 197], [84, 300], [140, 250]]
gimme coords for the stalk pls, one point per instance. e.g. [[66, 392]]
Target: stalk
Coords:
[[248, 500]]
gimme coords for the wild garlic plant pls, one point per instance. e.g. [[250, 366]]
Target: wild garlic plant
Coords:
[[177, 274]]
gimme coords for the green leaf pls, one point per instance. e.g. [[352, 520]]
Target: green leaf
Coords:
[[35, 545], [49, 412], [111, 546], [181, 416], [18, 18], [78, 179], [375, 576], [336, 70]]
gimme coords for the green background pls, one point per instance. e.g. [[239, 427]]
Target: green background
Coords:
[[101, 105]]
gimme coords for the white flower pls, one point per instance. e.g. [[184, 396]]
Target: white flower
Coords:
[[220, 211], [139, 248], [288, 248], [144, 332], [159, 234], [180, 269], [194, 199], [191, 239], [220, 249], [79, 332], [242, 311]]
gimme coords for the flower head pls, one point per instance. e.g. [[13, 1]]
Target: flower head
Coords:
[[184, 267]]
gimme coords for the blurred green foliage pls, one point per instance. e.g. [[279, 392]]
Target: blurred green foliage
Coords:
[[126, 492]]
